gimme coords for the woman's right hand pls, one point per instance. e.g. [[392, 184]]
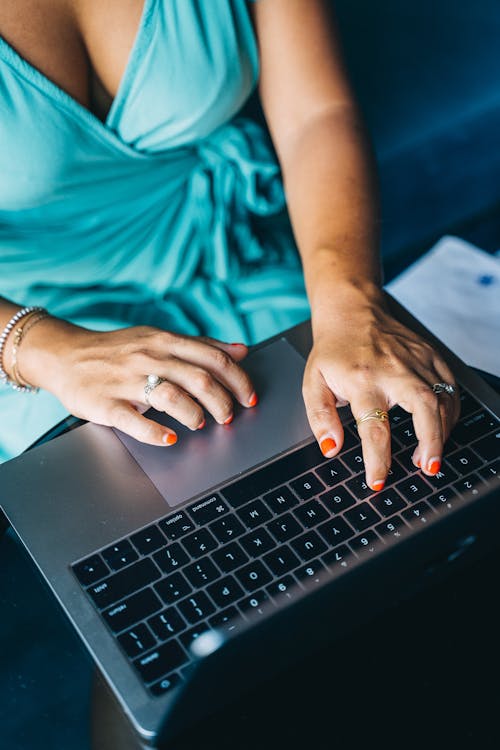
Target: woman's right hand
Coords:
[[100, 377]]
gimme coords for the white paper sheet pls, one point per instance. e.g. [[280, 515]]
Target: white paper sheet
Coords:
[[454, 290]]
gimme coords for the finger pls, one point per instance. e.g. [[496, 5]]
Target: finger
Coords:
[[185, 380], [322, 413], [173, 400], [219, 359], [375, 436], [448, 405], [417, 397], [127, 419]]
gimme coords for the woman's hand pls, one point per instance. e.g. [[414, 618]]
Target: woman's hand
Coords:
[[364, 357], [101, 376]]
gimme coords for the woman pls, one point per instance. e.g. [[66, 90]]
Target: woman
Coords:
[[136, 204]]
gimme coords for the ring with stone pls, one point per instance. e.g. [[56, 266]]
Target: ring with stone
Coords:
[[152, 382], [443, 387]]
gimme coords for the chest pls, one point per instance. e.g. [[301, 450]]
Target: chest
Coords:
[[81, 45]]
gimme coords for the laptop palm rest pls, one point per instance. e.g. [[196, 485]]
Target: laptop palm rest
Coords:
[[206, 458]]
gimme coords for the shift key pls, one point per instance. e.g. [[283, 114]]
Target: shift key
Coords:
[[160, 662], [126, 613]]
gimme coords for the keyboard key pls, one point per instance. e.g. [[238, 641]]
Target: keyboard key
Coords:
[[257, 542], [464, 461], [337, 500], [420, 513], [254, 514], [137, 640], [333, 472], [281, 499], [227, 528], [414, 489], [310, 514], [201, 572], [468, 403], [354, 460], [121, 584], [196, 607], [274, 474], [148, 540], [285, 527], [474, 426], [444, 476], [404, 457], [126, 613], [468, 486], [229, 557], [166, 623], [362, 516], [351, 438], [119, 555], [281, 560], [339, 559], [90, 570], [392, 529], [388, 502], [174, 527], [395, 473], [173, 588], [160, 662], [446, 499], [491, 474], [312, 575], [285, 589], [229, 620], [488, 447], [171, 558], [226, 591], [307, 486], [257, 605], [367, 543], [397, 416], [208, 509], [335, 531], [253, 576], [308, 545], [192, 634], [167, 683], [405, 433], [199, 543], [358, 487]]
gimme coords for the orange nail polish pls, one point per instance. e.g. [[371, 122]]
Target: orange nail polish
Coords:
[[252, 401], [237, 344], [378, 485], [229, 419], [202, 425], [433, 466], [170, 438], [419, 464], [327, 445]]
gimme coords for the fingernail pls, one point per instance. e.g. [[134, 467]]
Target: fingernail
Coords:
[[418, 463], [327, 446], [378, 484], [229, 419], [238, 344], [252, 401], [202, 425], [433, 465], [169, 438]]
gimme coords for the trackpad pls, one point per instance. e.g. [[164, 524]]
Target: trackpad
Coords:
[[205, 458]]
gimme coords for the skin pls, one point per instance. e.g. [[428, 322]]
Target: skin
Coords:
[[360, 355]]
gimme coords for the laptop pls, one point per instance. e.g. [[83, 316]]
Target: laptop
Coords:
[[193, 573]]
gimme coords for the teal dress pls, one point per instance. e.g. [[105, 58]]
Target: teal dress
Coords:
[[170, 213]]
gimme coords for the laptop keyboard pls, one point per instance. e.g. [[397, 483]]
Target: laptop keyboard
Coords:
[[242, 551]]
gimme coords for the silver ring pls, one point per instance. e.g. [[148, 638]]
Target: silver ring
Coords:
[[446, 387], [152, 382]]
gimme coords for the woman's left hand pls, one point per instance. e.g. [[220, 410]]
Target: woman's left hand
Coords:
[[363, 356]]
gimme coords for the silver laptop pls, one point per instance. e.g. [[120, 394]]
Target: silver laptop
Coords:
[[191, 573]]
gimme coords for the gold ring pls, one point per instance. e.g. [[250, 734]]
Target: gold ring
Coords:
[[379, 414]]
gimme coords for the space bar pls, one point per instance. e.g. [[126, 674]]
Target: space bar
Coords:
[[277, 473]]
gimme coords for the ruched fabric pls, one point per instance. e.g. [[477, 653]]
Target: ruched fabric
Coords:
[[170, 213]]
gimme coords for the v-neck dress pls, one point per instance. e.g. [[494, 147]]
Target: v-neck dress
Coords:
[[171, 212]]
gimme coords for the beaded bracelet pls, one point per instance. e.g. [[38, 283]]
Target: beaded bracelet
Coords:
[[4, 378], [19, 334]]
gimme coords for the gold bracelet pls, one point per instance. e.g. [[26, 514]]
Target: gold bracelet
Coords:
[[19, 333]]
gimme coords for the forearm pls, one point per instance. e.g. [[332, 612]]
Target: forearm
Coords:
[[330, 183]]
